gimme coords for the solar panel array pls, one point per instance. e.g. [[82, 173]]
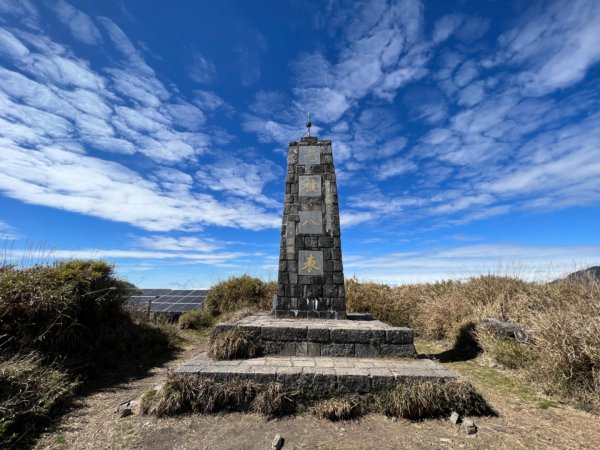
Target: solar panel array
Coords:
[[169, 300]]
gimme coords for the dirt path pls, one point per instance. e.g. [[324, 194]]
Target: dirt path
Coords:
[[525, 421]]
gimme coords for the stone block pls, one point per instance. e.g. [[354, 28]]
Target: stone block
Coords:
[[283, 333], [302, 349], [339, 350], [310, 222], [313, 349], [318, 334], [399, 336], [310, 186], [310, 262], [357, 382], [325, 378], [366, 350], [396, 349], [309, 154]]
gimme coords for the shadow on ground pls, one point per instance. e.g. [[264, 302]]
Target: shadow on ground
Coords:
[[465, 347]]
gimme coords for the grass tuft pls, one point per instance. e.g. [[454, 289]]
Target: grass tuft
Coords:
[[423, 399], [343, 408], [275, 401], [234, 343]]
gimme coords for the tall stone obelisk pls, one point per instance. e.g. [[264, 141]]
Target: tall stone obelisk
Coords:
[[311, 275]]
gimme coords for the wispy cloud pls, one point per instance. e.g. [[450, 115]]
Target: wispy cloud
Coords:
[[59, 117], [201, 69], [8, 233], [532, 262], [81, 26]]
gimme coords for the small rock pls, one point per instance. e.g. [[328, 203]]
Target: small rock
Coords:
[[277, 443], [446, 440], [454, 417], [125, 408], [469, 426], [394, 419]]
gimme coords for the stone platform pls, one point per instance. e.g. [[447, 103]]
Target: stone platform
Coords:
[[359, 375], [353, 337]]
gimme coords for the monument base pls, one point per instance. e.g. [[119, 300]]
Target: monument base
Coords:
[[357, 375], [357, 336]]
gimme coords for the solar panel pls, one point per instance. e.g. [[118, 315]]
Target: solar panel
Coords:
[[170, 300]]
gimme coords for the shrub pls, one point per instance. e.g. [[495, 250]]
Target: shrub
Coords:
[[29, 389], [71, 316], [344, 408], [237, 293], [196, 320], [235, 343]]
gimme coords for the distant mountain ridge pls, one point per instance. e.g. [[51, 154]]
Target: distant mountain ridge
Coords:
[[589, 274]]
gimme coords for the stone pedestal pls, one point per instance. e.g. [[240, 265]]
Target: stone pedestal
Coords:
[[311, 275]]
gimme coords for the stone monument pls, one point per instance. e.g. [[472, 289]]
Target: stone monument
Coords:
[[311, 275], [308, 337]]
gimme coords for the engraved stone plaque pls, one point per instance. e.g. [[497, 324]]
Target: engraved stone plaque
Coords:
[[309, 154], [311, 222], [310, 185], [310, 262]]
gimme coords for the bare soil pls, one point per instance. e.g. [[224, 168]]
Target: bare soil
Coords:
[[526, 420]]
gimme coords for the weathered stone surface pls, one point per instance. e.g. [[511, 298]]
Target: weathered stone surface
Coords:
[[368, 337], [343, 350], [310, 186], [310, 224], [347, 374], [399, 336], [310, 262], [309, 154]]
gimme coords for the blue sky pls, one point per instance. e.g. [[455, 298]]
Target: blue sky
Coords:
[[466, 135]]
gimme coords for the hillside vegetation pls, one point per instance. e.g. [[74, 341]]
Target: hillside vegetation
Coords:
[[563, 354], [60, 325]]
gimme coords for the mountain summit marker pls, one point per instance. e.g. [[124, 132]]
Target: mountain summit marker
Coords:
[[311, 275]]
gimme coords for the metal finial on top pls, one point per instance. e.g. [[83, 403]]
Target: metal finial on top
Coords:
[[308, 124]]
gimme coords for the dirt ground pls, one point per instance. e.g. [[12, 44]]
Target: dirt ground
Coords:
[[526, 420]]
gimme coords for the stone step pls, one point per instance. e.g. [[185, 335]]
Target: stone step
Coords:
[[359, 375], [323, 337]]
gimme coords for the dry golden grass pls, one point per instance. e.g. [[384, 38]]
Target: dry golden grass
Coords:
[[239, 292], [422, 399], [343, 408], [564, 318], [234, 343]]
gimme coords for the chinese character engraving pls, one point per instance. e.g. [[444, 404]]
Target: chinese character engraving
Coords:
[[310, 185], [310, 155], [310, 262], [310, 222]]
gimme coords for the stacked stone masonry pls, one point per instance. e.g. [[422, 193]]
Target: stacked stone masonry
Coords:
[[358, 375], [341, 338], [311, 275]]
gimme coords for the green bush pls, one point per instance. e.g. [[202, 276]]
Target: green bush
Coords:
[[237, 293], [63, 322], [60, 308], [196, 320]]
